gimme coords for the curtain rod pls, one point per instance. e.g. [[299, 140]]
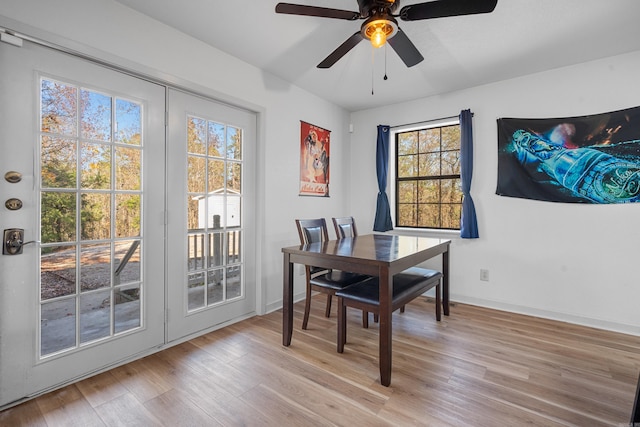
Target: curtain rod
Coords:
[[426, 121]]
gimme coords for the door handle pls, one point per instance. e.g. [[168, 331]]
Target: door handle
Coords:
[[13, 241]]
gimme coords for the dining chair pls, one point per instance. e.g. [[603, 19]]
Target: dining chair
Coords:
[[407, 286], [327, 281], [345, 227]]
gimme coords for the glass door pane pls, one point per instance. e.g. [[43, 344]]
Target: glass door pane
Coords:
[[90, 216], [214, 188]]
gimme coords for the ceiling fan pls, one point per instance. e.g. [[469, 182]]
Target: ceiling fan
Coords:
[[380, 23]]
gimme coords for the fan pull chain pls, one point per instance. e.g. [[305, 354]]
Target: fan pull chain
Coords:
[[385, 61], [373, 52]]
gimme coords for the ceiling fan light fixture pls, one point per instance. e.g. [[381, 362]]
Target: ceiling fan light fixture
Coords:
[[380, 22], [379, 30]]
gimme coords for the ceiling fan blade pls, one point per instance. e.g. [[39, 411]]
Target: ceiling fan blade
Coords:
[[342, 50], [322, 12], [405, 49], [444, 8]]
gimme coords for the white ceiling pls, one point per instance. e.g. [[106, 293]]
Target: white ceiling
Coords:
[[520, 37]]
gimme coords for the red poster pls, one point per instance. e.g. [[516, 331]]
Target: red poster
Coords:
[[314, 160]]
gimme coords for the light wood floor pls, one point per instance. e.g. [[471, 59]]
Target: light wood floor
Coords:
[[478, 367]]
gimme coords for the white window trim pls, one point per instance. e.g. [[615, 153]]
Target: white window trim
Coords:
[[391, 178]]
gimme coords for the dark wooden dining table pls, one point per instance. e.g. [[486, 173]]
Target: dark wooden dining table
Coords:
[[380, 255]]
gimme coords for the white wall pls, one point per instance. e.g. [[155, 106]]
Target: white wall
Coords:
[[571, 262], [115, 33]]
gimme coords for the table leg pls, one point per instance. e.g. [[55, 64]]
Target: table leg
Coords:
[[445, 282], [386, 294], [287, 301]]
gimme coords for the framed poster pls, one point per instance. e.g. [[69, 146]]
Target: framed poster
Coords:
[[586, 159], [314, 160]]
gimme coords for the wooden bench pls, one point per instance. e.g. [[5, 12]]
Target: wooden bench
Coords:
[[407, 285]]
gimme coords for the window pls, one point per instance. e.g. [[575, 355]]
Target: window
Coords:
[[428, 189]]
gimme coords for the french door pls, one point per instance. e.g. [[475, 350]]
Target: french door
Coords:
[[138, 240], [88, 143], [211, 192]]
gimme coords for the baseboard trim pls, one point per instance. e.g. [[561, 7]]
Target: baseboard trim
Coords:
[[552, 315]]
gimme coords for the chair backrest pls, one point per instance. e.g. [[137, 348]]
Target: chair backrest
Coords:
[[345, 227], [312, 230]]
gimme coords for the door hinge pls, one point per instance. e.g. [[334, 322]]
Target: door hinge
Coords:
[[10, 39]]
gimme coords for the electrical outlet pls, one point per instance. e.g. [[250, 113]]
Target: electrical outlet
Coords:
[[484, 275]]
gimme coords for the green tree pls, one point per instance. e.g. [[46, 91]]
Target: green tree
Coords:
[[58, 217]]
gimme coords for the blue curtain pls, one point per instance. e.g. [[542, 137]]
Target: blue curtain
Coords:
[[383, 212], [468, 222]]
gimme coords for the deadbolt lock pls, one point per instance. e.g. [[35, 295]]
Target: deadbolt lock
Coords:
[[13, 204]]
